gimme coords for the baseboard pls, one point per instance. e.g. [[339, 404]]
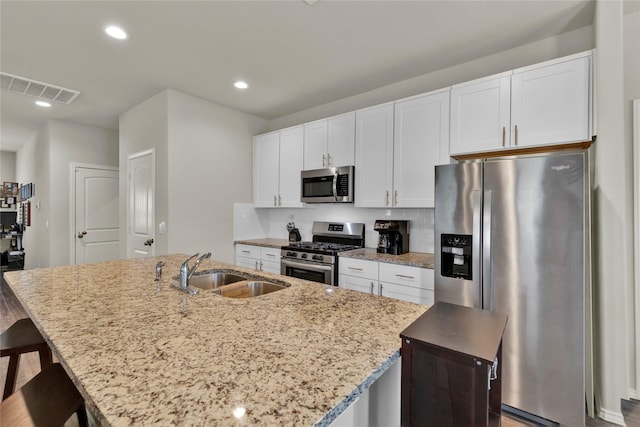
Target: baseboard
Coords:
[[611, 416]]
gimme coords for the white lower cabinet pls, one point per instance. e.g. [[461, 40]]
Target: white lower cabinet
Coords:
[[401, 282], [258, 257], [377, 406]]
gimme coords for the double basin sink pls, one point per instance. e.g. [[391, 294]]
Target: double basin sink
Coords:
[[232, 285]]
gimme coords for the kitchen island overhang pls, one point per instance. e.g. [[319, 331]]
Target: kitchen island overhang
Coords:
[[142, 352]]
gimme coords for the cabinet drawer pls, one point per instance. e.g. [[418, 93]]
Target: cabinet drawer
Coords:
[[407, 293], [406, 275], [248, 251], [270, 254], [362, 284], [359, 268], [248, 262]]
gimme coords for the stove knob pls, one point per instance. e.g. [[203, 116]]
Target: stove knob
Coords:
[[291, 254], [318, 258], [303, 256]]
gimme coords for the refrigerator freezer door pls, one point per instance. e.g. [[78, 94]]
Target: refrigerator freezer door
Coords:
[[538, 276], [458, 205]]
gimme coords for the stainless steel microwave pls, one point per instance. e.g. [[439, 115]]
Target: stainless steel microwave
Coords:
[[329, 185]]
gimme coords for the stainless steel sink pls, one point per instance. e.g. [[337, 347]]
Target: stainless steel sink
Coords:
[[214, 280], [248, 289]]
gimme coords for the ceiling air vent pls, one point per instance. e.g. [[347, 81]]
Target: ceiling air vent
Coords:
[[37, 89]]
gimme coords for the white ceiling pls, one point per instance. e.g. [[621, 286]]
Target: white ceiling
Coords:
[[293, 55]]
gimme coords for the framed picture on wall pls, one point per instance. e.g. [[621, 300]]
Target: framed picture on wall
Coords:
[[26, 214], [10, 188]]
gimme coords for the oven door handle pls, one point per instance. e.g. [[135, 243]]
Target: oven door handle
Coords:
[[317, 267]]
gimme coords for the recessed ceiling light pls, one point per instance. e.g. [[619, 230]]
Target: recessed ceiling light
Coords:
[[241, 85], [43, 104], [116, 32]]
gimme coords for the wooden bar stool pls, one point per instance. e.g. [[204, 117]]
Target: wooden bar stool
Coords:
[[21, 337], [48, 400]]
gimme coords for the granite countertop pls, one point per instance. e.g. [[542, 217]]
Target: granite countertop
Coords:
[[142, 352], [268, 242], [414, 259]]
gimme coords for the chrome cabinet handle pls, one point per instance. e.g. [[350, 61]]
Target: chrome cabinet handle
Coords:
[[516, 131], [270, 254], [279, 200], [323, 161], [504, 135], [246, 252], [256, 264], [405, 277], [275, 200], [395, 198], [354, 268], [380, 290], [387, 199], [371, 288], [81, 234], [328, 160]]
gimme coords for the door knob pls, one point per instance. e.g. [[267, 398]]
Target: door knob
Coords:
[[148, 242], [81, 234]]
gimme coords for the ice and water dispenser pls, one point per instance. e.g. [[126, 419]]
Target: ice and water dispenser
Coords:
[[456, 256]]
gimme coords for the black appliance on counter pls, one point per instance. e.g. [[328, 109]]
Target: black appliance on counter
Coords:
[[394, 236], [318, 260]]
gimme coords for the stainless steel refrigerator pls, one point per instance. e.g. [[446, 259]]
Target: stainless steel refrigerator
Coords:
[[512, 236]]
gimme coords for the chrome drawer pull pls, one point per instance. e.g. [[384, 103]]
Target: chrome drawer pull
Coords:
[[405, 277]]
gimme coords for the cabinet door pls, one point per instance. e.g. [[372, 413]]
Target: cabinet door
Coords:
[[315, 145], [291, 157], [341, 139], [550, 105], [407, 293], [374, 157], [270, 267], [266, 169], [421, 141], [480, 115], [359, 268], [361, 284]]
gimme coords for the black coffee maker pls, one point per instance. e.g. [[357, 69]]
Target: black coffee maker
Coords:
[[394, 236]]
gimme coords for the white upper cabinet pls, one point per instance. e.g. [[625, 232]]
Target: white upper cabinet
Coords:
[[266, 169], [341, 139], [329, 142], [277, 162], [480, 115], [421, 141], [374, 156], [315, 144], [551, 104], [291, 155], [543, 104]]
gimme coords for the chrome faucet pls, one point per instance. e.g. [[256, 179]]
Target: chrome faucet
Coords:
[[186, 272]]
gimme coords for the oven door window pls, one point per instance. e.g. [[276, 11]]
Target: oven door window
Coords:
[[299, 272]]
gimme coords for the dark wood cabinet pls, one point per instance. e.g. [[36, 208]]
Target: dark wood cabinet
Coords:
[[448, 372]]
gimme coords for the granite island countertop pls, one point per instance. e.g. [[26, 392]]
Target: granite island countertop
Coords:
[[141, 352], [414, 259]]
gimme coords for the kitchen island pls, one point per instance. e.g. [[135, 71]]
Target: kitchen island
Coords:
[[141, 352]]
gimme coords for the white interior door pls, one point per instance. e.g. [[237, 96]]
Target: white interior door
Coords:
[[96, 215], [141, 209]]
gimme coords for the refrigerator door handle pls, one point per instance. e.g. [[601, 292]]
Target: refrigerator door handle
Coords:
[[487, 277], [475, 249]]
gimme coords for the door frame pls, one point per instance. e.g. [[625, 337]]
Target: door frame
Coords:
[[72, 202], [130, 157], [635, 390]]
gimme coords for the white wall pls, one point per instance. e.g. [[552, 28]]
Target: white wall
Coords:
[[46, 162], [143, 127], [266, 222], [631, 36], [210, 158], [568, 43], [71, 143]]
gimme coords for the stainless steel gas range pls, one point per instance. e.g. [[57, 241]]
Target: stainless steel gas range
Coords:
[[318, 260]]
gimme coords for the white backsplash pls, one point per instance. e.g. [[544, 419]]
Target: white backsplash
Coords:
[[256, 223]]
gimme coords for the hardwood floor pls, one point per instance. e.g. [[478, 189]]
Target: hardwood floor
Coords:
[[11, 310]]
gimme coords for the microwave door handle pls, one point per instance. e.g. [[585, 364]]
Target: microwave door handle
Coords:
[[335, 186]]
